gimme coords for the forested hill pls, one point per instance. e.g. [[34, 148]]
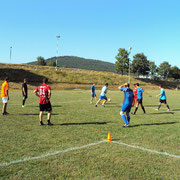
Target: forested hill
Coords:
[[81, 63]]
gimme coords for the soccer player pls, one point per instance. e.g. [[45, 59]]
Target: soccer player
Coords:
[[93, 94], [24, 92], [135, 95], [140, 91], [103, 95], [162, 99], [127, 103], [5, 95], [44, 93]]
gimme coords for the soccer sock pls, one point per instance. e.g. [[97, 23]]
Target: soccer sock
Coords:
[[159, 106], [124, 119], [135, 110], [23, 102], [168, 106], [143, 109], [128, 118]]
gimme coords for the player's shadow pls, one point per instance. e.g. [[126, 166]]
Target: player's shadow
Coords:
[[161, 113], [35, 114], [82, 123], [156, 124], [175, 109], [151, 105]]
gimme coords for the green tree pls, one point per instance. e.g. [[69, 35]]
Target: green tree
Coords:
[[174, 72], [164, 70], [122, 63], [152, 68], [52, 63], [41, 61], [140, 64]]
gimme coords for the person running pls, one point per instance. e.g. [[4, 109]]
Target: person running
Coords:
[[127, 103], [140, 91], [24, 92], [93, 94], [162, 99], [5, 95], [135, 95], [44, 93], [103, 95]]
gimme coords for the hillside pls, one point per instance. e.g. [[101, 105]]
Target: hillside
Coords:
[[67, 78], [81, 63]]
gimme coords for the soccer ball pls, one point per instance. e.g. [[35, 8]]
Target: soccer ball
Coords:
[[109, 100]]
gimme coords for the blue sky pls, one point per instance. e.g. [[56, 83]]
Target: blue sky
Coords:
[[93, 29]]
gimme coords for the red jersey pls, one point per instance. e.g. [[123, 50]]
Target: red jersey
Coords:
[[135, 92], [43, 93]]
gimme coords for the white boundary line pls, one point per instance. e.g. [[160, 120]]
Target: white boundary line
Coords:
[[82, 147], [50, 154], [148, 150]]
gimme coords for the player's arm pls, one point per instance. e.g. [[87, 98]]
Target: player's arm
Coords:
[[36, 93], [7, 92], [122, 86], [49, 94], [158, 95], [23, 90], [147, 94]]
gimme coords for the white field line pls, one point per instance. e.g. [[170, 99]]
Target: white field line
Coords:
[[50, 154], [148, 150]]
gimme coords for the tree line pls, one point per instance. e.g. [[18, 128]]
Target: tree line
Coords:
[[141, 66]]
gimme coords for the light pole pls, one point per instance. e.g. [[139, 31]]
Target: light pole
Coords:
[[129, 65], [57, 48], [10, 54]]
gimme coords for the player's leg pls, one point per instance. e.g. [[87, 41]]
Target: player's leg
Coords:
[[159, 105], [167, 105], [104, 101], [124, 118], [141, 104], [137, 105], [40, 117], [98, 101], [24, 100], [4, 108], [49, 110]]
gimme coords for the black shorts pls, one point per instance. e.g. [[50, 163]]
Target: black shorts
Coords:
[[162, 101], [25, 97], [45, 107], [139, 101]]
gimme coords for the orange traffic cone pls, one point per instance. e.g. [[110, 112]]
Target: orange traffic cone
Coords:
[[109, 137]]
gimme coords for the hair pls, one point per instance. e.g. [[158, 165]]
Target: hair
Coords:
[[160, 86], [45, 80], [137, 84], [106, 84], [127, 85], [25, 79], [6, 79]]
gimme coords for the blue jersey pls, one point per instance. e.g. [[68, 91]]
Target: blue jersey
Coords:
[[140, 91], [163, 95], [93, 89], [128, 96]]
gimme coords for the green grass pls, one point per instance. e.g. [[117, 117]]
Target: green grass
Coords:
[[79, 123]]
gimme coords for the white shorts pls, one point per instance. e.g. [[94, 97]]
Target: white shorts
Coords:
[[5, 100]]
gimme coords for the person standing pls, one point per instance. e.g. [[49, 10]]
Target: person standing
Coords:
[[103, 95], [5, 95], [93, 94], [44, 93], [135, 95], [140, 91], [162, 99], [127, 103], [24, 92]]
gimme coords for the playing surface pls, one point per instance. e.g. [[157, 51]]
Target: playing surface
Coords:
[[151, 148]]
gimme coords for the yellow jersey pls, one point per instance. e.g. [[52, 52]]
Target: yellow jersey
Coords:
[[4, 88]]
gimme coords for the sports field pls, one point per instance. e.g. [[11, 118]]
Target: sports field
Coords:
[[76, 148]]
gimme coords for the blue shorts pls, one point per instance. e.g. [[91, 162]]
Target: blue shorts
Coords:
[[126, 108], [103, 97], [93, 94]]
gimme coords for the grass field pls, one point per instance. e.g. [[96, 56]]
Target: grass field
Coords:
[[78, 123]]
